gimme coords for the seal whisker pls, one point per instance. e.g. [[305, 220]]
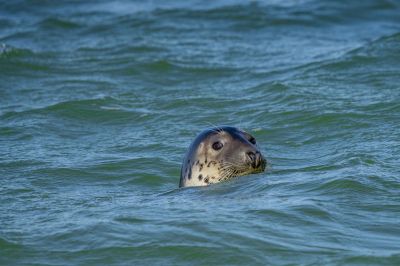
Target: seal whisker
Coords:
[[235, 169], [215, 128], [236, 165]]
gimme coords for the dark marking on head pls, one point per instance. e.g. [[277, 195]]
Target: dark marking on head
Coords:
[[211, 162], [205, 160], [190, 172], [201, 167], [197, 163], [213, 177], [200, 177]]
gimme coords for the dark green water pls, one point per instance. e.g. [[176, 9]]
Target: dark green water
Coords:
[[99, 101]]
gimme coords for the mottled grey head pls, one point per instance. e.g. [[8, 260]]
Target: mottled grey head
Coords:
[[219, 154]]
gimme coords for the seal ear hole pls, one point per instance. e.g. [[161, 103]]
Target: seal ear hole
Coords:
[[217, 145], [252, 140]]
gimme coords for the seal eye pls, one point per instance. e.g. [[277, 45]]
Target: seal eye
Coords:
[[217, 145], [252, 140]]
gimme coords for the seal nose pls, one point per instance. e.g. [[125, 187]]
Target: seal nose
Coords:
[[255, 158]]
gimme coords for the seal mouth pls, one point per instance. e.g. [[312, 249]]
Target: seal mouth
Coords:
[[260, 167], [256, 160]]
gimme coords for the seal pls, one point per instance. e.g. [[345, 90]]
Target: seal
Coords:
[[218, 154]]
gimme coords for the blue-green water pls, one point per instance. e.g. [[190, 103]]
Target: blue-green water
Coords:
[[99, 101]]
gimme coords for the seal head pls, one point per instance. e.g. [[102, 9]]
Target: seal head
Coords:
[[218, 154]]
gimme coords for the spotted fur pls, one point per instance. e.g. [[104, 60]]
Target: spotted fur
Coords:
[[212, 166]]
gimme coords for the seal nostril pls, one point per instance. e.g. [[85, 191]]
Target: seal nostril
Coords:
[[252, 156], [258, 160], [255, 158]]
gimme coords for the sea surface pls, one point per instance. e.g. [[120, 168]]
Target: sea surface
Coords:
[[100, 100]]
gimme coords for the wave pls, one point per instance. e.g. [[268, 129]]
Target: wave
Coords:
[[258, 15], [105, 110], [8, 51], [58, 23], [366, 58]]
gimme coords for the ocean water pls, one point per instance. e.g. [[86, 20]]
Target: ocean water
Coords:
[[99, 101]]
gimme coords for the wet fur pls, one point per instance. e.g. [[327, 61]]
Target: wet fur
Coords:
[[203, 165]]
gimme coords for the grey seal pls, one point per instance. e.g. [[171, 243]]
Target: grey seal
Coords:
[[218, 154]]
